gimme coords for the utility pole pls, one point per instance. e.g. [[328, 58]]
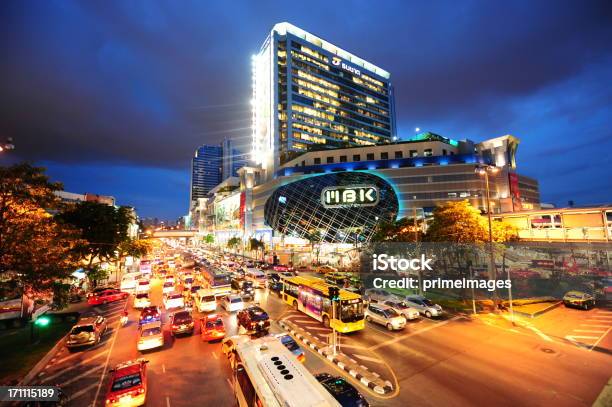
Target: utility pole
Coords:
[[485, 170]]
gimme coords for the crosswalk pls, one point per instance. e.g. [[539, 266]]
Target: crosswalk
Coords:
[[590, 333]]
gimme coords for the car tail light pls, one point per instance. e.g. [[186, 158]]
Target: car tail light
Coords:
[[301, 358]]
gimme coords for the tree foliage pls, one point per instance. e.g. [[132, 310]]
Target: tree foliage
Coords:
[[401, 230], [103, 229], [460, 222], [233, 242], [34, 248]]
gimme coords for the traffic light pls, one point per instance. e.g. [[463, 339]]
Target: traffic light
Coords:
[[42, 321], [334, 293]]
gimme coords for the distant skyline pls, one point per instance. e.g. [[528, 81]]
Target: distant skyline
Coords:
[[114, 97]]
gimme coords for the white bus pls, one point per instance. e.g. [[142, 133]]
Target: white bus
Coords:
[[258, 277], [129, 281], [259, 380], [205, 300]]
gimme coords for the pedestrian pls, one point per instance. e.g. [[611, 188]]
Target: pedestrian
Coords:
[[124, 318]]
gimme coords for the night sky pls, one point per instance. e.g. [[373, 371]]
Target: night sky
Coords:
[[113, 97]]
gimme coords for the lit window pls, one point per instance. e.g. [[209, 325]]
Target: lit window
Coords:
[[428, 152]]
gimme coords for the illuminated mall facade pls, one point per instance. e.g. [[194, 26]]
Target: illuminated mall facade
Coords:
[[327, 161]]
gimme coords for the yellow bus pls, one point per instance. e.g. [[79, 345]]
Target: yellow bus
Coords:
[[310, 295]]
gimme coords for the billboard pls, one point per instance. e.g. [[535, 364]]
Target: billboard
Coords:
[[227, 212]]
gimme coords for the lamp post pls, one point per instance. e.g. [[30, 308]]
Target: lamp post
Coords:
[[485, 170]]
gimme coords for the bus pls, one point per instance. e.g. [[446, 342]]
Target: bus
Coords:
[[310, 295], [218, 281], [258, 380]]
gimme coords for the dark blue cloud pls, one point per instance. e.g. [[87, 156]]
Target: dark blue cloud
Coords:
[[129, 89]]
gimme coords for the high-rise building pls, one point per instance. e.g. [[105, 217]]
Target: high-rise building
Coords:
[[233, 159], [206, 170], [310, 95]]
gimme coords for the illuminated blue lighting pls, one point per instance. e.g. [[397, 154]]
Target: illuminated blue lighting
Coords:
[[443, 162], [395, 165], [418, 163], [282, 199], [371, 167]]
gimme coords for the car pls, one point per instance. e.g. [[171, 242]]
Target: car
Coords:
[[377, 295], [128, 384], [302, 269], [404, 309], [232, 302], [386, 316], [181, 322], [88, 331], [253, 319], [424, 305], [344, 392], [279, 267], [292, 345], [173, 300], [578, 299], [142, 300], [169, 278], [243, 287], [143, 286], [106, 296], [275, 286], [149, 314], [212, 328], [168, 287], [325, 269], [151, 336]]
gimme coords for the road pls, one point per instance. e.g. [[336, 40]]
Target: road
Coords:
[[454, 361]]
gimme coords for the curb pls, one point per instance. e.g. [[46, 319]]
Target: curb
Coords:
[[540, 312], [42, 363], [605, 397], [356, 371]]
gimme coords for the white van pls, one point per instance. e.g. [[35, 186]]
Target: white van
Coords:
[[205, 300], [129, 282], [257, 276]]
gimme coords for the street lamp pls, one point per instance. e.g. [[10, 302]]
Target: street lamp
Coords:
[[485, 169], [8, 145]]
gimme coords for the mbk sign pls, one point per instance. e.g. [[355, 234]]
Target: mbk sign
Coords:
[[337, 197]]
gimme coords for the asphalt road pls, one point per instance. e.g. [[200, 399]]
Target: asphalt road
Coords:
[[454, 361]]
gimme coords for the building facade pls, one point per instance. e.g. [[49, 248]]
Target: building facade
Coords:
[[206, 170], [308, 94]]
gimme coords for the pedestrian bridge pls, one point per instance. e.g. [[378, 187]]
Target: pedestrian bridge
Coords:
[[173, 233]]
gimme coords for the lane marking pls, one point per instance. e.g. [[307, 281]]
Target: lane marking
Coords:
[[583, 337], [367, 358], [319, 328], [163, 367], [78, 377], [229, 383], [589, 330], [215, 355], [540, 333], [81, 392], [167, 401], [595, 325], [105, 367], [597, 317], [84, 361], [600, 338], [401, 338]]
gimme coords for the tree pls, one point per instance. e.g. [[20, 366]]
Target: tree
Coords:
[[460, 222], [255, 245], [209, 238], [233, 242], [103, 229], [401, 230], [314, 238], [457, 222], [34, 248]]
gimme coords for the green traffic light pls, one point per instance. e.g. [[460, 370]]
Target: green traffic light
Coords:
[[42, 321]]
